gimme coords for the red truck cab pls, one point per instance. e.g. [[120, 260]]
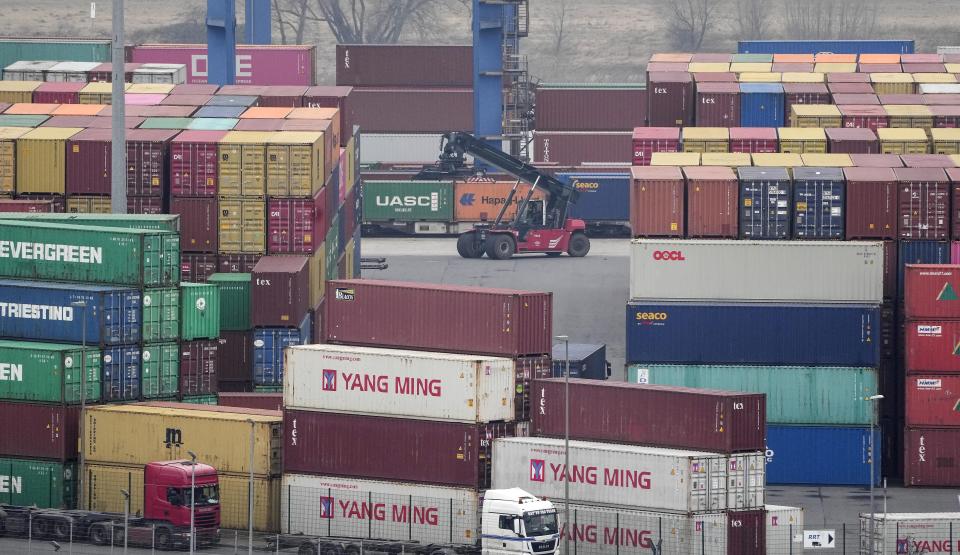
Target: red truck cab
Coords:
[[166, 498]]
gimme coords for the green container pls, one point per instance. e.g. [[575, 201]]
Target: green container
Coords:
[[234, 300], [161, 370], [213, 124], [268, 389], [159, 222], [161, 315], [21, 120], [795, 394], [46, 484], [199, 311], [200, 399], [332, 244], [408, 201], [47, 372], [166, 123], [89, 254], [752, 58], [15, 49]]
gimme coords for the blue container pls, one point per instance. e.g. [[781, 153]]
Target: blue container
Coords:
[[233, 100], [821, 455], [920, 252], [356, 254], [586, 361], [761, 105], [121, 373], [42, 311], [604, 198], [765, 200], [831, 46], [818, 203], [219, 112], [342, 234], [268, 346], [753, 333]]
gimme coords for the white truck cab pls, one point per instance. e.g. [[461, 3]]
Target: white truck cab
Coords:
[[515, 521]]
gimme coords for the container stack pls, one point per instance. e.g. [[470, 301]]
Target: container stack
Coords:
[[280, 315], [810, 343]]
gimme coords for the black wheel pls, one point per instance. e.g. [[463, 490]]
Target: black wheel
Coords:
[[100, 534], [60, 529], [554, 254], [331, 549], [467, 245], [41, 528], [579, 245], [161, 539], [16, 525], [307, 549], [118, 535], [500, 246]]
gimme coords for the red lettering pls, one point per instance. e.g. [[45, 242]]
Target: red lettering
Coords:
[[586, 533], [668, 255], [400, 513], [426, 515], [418, 386], [363, 511], [578, 474], [620, 478]]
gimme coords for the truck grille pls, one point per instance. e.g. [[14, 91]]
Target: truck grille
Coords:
[[539, 547], [205, 520]]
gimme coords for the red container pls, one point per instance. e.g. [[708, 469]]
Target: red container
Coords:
[[931, 346], [186, 99], [198, 367], [872, 200], [852, 140], [660, 67], [647, 140], [891, 269], [583, 108], [657, 201], [194, 89], [234, 387], [259, 401], [296, 226], [718, 77], [395, 449], [59, 202], [946, 116], [848, 78], [235, 356], [924, 203], [746, 532], [900, 99], [145, 205], [710, 57], [238, 263], [662, 416], [931, 291], [281, 291], [393, 65], [941, 99], [151, 111], [861, 87], [104, 122], [670, 100], [240, 90], [197, 267], [40, 431], [58, 93], [718, 104], [29, 206], [712, 197], [927, 161], [193, 163], [847, 98], [931, 457], [754, 139], [864, 115], [266, 124], [198, 223], [931, 58], [447, 318], [803, 93], [933, 400], [103, 73], [791, 67], [413, 110], [876, 160], [936, 67], [283, 96], [147, 161], [257, 64], [575, 148], [83, 122], [88, 163]]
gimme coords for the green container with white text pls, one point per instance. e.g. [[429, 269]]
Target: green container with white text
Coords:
[[160, 376], [161, 315], [48, 372], [199, 311], [157, 222], [408, 201], [46, 484]]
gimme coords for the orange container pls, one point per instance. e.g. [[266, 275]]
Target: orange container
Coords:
[[479, 201], [261, 112]]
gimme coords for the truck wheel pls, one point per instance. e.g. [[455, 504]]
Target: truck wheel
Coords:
[[579, 245], [99, 534], [467, 245], [41, 528], [307, 549], [60, 529], [500, 246]]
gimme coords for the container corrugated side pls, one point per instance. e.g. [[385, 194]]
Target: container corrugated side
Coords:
[[235, 300], [930, 291], [160, 371], [46, 431], [199, 311], [41, 160], [408, 201], [243, 223], [48, 372], [155, 222], [783, 524], [931, 400], [39, 483], [791, 460], [919, 532]]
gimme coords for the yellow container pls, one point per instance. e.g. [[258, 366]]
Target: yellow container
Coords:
[[799, 140], [140, 433], [903, 141], [802, 77], [893, 83], [956, 159], [88, 205], [99, 93], [753, 77], [243, 223], [8, 157], [41, 159], [729, 159], [909, 115], [675, 159], [815, 115], [834, 67], [952, 68], [708, 67], [944, 78], [776, 159], [706, 139], [826, 160], [104, 482], [945, 141], [318, 278], [349, 254], [750, 67], [243, 158], [351, 163], [13, 92], [149, 88], [295, 164]]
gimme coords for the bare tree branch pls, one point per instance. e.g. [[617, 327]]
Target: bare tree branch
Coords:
[[689, 22], [375, 21], [752, 18], [558, 19], [830, 19]]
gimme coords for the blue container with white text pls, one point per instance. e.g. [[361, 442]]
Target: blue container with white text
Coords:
[[821, 455], [121, 373], [761, 105], [268, 346], [604, 198]]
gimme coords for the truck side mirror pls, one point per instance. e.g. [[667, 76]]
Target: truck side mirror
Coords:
[[516, 526]]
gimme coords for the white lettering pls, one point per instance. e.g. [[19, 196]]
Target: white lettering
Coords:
[[11, 484], [36, 312], [11, 372], [51, 252], [244, 65]]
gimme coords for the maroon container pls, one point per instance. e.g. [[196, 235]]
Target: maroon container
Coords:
[[296, 226], [880, 68], [954, 175], [395, 65], [58, 93], [712, 197], [862, 87], [900, 99], [657, 415], [83, 122], [88, 163], [59, 202], [186, 100], [8, 204], [647, 140], [39, 431], [194, 89], [941, 99], [198, 367], [197, 267], [924, 203], [241, 90], [447, 318], [946, 116], [718, 77], [104, 73], [927, 161], [105, 122], [235, 357], [234, 387], [591, 109], [876, 160], [284, 96], [238, 263], [147, 161], [259, 401], [152, 111], [281, 291], [330, 97], [931, 457], [848, 78], [931, 400], [583, 147], [419, 110], [145, 205], [670, 100], [425, 451], [718, 104], [791, 67], [891, 271], [930, 346], [872, 201], [931, 291], [846, 98], [266, 124], [661, 67], [746, 532], [864, 115], [928, 58], [852, 140], [936, 67], [754, 139], [803, 93], [193, 163], [656, 201], [198, 223]]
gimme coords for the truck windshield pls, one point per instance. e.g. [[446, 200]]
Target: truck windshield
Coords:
[[203, 495], [540, 524]]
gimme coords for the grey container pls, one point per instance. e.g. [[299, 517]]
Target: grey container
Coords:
[[764, 203], [818, 203]]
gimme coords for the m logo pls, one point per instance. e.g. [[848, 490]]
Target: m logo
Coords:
[[326, 507], [174, 437], [537, 470], [329, 380]]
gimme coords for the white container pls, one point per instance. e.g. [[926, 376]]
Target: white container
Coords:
[[762, 271], [631, 476], [401, 148], [402, 384], [345, 507], [169, 74], [910, 533], [783, 525], [26, 70], [70, 72], [939, 88]]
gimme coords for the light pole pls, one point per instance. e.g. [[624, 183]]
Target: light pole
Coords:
[[126, 517], [83, 387], [250, 491], [193, 492], [873, 425], [566, 438]]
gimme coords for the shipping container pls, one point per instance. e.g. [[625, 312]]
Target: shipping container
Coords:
[[670, 99], [13, 92], [8, 205], [718, 104], [814, 116], [804, 93], [761, 105], [657, 201], [876, 160], [791, 460], [193, 163], [580, 360], [706, 139], [630, 476], [147, 162], [8, 158], [89, 205], [280, 291], [232, 263], [144, 205], [42, 431], [372, 65], [156, 222], [269, 345], [160, 374], [575, 148], [242, 226], [604, 198], [199, 225], [38, 483], [930, 290], [818, 201], [88, 163], [478, 201], [197, 267], [841, 99], [564, 107], [235, 358], [764, 203], [234, 300], [924, 203], [296, 226], [41, 160], [931, 346], [753, 139], [199, 311], [256, 64], [931, 400], [58, 93], [199, 363], [425, 110], [121, 373], [852, 141], [864, 115], [260, 401], [712, 199], [795, 140], [920, 252], [931, 457], [242, 166], [906, 532], [296, 163], [647, 140], [871, 202]]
